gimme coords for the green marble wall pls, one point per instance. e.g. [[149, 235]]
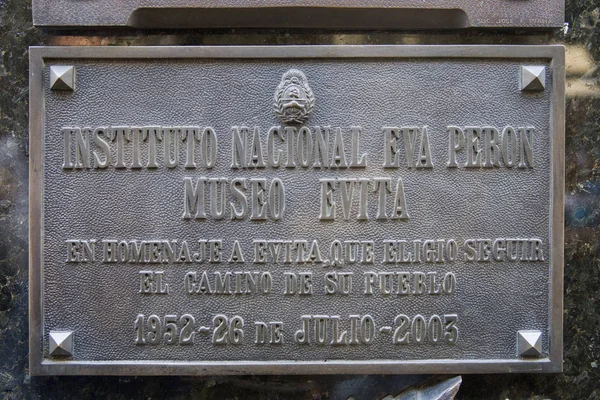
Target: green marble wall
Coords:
[[581, 377]]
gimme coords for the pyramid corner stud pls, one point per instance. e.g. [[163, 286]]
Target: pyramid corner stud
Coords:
[[61, 343], [62, 77], [533, 78], [529, 343]]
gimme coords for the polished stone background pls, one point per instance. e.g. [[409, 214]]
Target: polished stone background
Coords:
[[581, 377]]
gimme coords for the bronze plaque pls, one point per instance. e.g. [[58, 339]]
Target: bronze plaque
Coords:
[[373, 14], [310, 209]]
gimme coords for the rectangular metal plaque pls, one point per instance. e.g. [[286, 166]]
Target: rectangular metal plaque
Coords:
[[304, 209], [377, 14]]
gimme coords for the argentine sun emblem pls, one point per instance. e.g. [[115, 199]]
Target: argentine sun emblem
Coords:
[[294, 100]]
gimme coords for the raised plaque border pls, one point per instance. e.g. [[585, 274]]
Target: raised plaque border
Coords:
[[40, 366]]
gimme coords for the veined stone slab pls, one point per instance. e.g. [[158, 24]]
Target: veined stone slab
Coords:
[[304, 209]]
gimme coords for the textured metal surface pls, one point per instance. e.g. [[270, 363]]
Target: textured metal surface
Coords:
[[389, 14], [371, 87]]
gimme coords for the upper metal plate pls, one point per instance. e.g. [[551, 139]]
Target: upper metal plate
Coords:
[[360, 209], [377, 14]]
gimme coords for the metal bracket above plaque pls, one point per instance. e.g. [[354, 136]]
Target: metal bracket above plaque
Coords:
[[372, 14], [296, 210]]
